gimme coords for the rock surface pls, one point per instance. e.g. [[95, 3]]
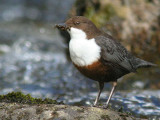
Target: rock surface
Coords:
[[16, 111]]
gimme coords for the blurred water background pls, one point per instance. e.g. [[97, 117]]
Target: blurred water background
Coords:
[[34, 60]]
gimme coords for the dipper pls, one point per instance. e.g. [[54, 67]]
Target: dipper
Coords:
[[98, 55]]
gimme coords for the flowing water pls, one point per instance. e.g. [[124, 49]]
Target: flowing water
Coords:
[[33, 60]]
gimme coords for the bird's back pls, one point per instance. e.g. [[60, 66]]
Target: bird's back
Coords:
[[115, 55]]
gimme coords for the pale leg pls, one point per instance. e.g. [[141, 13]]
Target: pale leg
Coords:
[[101, 85], [111, 93]]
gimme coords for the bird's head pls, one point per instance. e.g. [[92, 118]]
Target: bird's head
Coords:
[[79, 26]]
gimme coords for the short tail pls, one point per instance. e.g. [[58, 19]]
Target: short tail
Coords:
[[142, 63]]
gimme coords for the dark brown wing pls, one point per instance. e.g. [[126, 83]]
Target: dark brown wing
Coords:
[[113, 52]]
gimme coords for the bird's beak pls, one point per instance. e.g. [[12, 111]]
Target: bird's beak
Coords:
[[62, 26]]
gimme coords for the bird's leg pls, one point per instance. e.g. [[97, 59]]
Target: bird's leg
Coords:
[[111, 93], [101, 85]]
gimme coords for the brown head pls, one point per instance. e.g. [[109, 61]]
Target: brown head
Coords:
[[80, 23]]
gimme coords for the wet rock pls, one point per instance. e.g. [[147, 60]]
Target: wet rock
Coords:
[[14, 111]]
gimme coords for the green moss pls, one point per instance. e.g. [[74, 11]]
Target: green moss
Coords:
[[19, 97], [99, 17], [121, 109]]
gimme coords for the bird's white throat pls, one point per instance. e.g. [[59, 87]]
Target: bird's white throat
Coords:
[[83, 52]]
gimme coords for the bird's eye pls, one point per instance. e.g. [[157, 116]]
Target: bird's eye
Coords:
[[77, 23]]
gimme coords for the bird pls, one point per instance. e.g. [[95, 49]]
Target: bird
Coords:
[[97, 55]]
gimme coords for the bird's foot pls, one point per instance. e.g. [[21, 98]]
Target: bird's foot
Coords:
[[100, 106], [94, 105], [105, 106]]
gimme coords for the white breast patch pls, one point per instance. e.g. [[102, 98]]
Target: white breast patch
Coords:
[[83, 52]]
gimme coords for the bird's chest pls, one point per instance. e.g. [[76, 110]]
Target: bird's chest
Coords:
[[84, 52], [95, 71]]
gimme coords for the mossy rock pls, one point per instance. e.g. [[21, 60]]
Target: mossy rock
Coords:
[[19, 97], [102, 15], [93, 10]]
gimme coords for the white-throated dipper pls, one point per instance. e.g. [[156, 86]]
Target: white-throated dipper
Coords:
[[98, 55]]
